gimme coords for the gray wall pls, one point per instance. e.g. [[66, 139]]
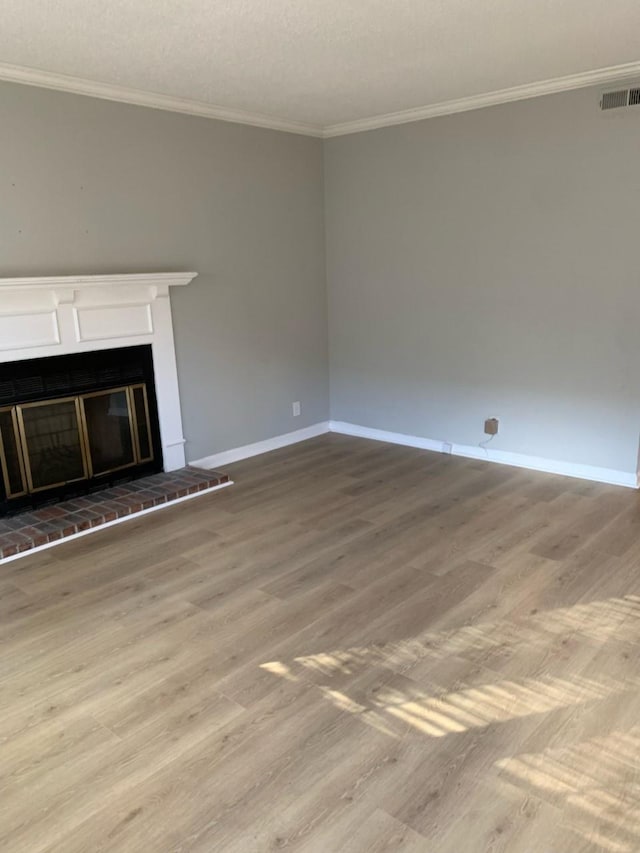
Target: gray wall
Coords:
[[479, 264], [89, 186], [486, 264]]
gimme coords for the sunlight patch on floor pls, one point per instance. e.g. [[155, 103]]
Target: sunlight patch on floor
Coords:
[[595, 620], [491, 703], [596, 782], [593, 782]]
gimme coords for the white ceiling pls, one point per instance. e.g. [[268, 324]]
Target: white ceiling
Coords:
[[319, 62]]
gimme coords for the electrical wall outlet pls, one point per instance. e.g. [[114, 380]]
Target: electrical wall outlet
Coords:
[[296, 409], [491, 426]]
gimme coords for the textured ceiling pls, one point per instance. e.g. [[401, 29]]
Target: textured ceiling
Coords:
[[321, 62]]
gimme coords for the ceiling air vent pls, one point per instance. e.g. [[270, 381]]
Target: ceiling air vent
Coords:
[[634, 97], [613, 100]]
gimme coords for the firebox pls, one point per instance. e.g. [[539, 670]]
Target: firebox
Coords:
[[73, 423]]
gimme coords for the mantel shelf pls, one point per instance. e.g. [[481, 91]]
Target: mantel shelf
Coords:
[[56, 282]]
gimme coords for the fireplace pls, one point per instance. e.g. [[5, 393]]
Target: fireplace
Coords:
[[48, 317], [89, 398], [72, 423]]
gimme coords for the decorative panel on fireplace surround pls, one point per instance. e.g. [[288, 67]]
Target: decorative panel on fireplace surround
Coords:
[[98, 324], [20, 331]]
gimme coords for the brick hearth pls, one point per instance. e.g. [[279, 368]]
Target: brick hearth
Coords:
[[32, 529]]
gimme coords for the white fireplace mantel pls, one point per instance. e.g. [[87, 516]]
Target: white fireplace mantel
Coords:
[[55, 315]]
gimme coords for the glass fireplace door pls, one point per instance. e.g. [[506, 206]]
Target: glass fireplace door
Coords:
[[53, 443], [49, 443], [110, 430], [11, 463]]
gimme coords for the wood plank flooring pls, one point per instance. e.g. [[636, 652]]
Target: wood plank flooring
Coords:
[[358, 647]]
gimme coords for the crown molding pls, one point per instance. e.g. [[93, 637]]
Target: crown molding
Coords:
[[601, 76], [162, 279], [138, 97], [154, 100]]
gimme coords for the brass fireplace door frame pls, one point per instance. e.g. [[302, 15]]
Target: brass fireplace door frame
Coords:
[[19, 438]]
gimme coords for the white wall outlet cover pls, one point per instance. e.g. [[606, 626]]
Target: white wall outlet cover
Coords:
[[296, 409]]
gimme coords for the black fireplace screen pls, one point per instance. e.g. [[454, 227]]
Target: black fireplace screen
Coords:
[[48, 444], [73, 423]]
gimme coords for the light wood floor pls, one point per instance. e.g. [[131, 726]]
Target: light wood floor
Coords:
[[358, 648]]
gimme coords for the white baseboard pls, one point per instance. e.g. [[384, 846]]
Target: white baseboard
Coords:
[[226, 457], [501, 457], [519, 460]]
